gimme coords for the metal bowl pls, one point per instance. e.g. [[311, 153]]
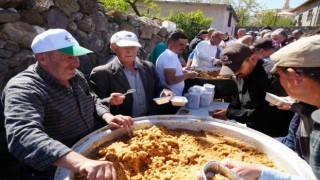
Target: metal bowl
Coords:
[[284, 158]]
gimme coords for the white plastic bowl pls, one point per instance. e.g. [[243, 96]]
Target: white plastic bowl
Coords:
[[276, 100], [179, 101], [162, 100]]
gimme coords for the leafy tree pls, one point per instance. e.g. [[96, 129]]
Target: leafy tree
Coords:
[[139, 7], [270, 18], [190, 23]]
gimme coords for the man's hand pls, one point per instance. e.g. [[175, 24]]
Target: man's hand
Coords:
[[186, 69], [118, 121], [220, 114], [285, 105], [192, 74], [116, 99], [218, 61], [166, 93], [245, 170], [92, 169]]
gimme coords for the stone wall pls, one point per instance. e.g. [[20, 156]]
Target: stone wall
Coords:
[[90, 23]]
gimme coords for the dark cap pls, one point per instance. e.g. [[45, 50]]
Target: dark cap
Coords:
[[263, 43], [233, 56], [202, 32]]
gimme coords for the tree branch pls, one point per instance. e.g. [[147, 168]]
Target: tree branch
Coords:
[[134, 7]]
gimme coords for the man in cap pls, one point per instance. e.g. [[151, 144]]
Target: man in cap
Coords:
[[48, 108], [253, 82], [263, 48], [298, 66], [202, 35], [227, 40], [110, 82]]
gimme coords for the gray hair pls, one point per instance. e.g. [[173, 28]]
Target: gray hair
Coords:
[[211, 30], [280, 32], [297, 31], [242, 30], [246, 39]]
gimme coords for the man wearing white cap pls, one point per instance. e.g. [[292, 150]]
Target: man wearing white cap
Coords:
[[109, 82], [48, 107]]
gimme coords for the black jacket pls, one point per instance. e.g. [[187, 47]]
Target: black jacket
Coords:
[[250, 106], [194, 42], [110, 78]]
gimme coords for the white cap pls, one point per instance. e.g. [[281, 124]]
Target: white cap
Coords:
[[57, 39], [124, 39]]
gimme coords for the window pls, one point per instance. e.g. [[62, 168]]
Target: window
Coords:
[[310, 15], [318, 20], [300, 19], [229, 20]]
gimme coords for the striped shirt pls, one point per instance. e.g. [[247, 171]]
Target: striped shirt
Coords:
[[315, 150], [43, 118]]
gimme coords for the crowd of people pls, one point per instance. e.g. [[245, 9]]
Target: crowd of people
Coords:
[[48, 107]]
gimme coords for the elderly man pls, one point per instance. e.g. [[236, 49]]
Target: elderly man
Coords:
[[205, 52], [299, 69], [279, 37], [241, 32], [48, 108], [253, 82], [110, 82]]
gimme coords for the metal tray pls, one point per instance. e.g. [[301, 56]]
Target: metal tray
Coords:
[[285, 159]]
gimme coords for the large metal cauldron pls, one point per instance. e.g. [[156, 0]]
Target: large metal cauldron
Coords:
[[283, 157]]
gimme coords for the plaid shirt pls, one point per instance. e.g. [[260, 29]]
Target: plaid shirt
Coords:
[[315, 150], [43, 118]]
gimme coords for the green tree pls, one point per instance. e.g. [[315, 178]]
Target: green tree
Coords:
[[190, 23], [245, 9], [139, 7], [270, 18]]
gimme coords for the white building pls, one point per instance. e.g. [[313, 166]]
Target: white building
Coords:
[[307, 14], [224, 17]]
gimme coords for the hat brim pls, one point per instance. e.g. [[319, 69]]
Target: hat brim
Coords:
[[75, 51], [316, 116], [274, 69], [126, 43], [226, 71]]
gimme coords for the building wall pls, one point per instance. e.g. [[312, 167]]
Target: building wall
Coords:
[[218, 12], [304, 11]]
